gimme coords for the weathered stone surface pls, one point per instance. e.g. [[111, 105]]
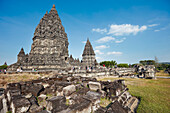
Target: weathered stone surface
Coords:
[[118, 108], [83, 107], [94, 97], [44, 111], [13, 93], [68, 90], [20, 105], [132, 104], [95, 86], [4, 104], [42, 97], [101, 110], [1, 91], [1, 105], [35, 89], [56, 104]]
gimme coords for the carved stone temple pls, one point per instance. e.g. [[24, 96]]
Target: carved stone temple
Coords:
[[49, 50], [88, 54]]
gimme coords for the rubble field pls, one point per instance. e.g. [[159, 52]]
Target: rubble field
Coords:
[[67, 94]]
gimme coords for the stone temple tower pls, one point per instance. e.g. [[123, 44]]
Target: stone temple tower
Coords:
[[50, 42], [88, 56], [49, 50], [21, 55]]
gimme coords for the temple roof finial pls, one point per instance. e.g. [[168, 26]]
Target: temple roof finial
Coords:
[[53, 9], [53, 5]]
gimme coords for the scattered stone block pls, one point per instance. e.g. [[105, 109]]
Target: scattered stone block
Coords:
[[56, 104], [101, 110], [1, 91], [94, 97], [94, 86], [1, 105], [118, 108], [12, 93], [4, 104], [68, 90], [20, 105], [83, 107], [35, 89]]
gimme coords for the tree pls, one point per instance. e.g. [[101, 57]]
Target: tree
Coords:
[[3, 67], [108, 63], [123, 65], [147, 62]]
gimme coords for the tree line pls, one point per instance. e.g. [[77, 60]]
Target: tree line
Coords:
[[159, 66]]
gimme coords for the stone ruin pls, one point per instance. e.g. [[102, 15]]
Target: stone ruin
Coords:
[[147, 71], [140, 71], [67, 94], [49, 50]]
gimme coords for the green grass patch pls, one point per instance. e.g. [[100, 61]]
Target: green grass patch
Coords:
[[104, 102], [67, 102], [49, 95]]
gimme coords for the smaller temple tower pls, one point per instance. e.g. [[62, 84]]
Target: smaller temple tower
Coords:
[[88, 55], [21, 55]]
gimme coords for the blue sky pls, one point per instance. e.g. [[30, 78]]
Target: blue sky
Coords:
[[123, 30]]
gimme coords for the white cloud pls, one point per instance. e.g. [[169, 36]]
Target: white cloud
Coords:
[[98, 58], [152, 25], [102, 47], [120, 41], [105, 39], [156, 30], [83, 42], [125, 29], [98, 52], [100, 30], [114, 53]]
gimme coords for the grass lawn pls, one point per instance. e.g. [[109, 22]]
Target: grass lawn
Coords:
[[162, 73], [154, 94]]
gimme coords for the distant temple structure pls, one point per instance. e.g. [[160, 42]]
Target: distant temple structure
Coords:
[[88, 56], [49, 50]]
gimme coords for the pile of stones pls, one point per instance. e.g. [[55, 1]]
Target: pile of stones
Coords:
[[67, 94]]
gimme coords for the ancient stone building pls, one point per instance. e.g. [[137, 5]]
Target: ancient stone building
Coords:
[[88, 56], [49, 49]]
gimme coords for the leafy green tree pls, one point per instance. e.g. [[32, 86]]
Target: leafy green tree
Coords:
[[123, 65], [3, 67], [108, 63], [147, 62]]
